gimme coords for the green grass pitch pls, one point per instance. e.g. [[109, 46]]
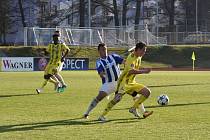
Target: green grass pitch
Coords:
[[48, 116]]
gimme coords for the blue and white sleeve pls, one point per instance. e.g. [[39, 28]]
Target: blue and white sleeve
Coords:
[[118, 59], [99, 67]]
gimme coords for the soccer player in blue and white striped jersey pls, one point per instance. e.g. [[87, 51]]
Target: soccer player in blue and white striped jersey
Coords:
[[109, 71]]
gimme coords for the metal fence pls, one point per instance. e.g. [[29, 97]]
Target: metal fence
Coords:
[[186, 37], [34, 36]]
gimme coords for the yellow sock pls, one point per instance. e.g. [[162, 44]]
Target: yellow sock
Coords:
[[44, 83], [139, 101], [108, 108]]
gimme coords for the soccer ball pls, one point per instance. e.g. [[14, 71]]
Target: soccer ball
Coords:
[[163, 99]]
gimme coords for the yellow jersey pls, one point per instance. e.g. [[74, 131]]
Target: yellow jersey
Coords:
[[56, 52], [132, 62]]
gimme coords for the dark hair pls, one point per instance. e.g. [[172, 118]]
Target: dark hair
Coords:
[[55, 35], [101, 45], [57, 31], [140, 45]]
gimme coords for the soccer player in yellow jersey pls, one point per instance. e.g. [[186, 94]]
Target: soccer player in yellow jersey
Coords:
[[55, 49], [128, 85], [57, 32]]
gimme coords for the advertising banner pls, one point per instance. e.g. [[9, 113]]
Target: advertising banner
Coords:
[[17, 64], [40, 63], [76, 64], [69, 63]]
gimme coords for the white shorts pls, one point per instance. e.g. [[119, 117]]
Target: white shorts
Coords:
[[109, 87], [61, 67]]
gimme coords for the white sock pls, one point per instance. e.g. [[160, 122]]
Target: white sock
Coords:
[[141, 107], [92, 105], [40, 89], [108, 97]]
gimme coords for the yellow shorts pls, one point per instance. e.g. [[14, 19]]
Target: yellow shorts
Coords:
[[52, 69], [131, 88]]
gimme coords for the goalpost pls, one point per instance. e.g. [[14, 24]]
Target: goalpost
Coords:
[[76, 36], [35, 36], [118, 37]]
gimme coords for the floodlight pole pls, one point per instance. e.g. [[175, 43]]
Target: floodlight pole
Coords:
[[157, 24], [196, 19], [25, 36], [89, 13]]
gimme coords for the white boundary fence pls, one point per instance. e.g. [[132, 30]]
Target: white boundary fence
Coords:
[[34, 36]]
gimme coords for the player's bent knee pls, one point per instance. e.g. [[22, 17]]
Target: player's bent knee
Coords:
[[47, 77], [145, 92]]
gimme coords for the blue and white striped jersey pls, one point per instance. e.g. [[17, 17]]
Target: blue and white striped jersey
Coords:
[[110, 66]]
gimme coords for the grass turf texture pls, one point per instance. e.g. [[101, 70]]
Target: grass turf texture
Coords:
[[26, 115]]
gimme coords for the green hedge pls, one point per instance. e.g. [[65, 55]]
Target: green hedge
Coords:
[[156, 56]]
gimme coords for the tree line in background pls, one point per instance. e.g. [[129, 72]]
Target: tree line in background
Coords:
[[171, 13]]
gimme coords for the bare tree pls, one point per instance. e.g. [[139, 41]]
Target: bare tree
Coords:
[[103, 18], [124, 12], [137, 18], [6, 21], [168, 7], [82, 13], [171, 12], [80, 9], [190, 15], [22, 12], [115, 11]]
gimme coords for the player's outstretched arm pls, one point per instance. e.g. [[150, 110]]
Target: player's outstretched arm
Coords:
[[140, 71]]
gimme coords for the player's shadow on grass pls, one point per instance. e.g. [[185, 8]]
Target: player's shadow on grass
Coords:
[[69, 122], [176, 105], [44, 125], [16, 95], [171, 105], [21, 95], [179, 85], [126, 120]]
